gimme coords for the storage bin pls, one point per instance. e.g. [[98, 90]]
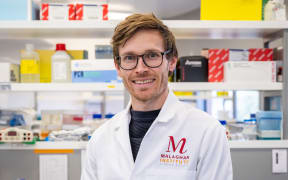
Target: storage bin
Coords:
[[269, 120]]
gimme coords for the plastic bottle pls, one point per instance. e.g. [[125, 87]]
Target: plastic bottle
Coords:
[[61, 65], [30, 65], [280, 75], [280, 10], [224, 123], [269, 14]]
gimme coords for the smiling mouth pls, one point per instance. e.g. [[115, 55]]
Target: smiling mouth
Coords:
[[147, 81]]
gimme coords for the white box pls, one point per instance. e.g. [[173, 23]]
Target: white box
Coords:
[[57, 11], [94, 71], [250, 71], [9, 72], [92, 12], [92, 65]]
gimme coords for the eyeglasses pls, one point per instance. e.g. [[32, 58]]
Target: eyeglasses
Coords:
[[152, 59]]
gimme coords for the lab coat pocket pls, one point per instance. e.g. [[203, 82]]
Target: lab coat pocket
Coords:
[[171, 174]]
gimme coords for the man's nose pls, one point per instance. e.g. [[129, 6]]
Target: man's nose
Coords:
[[141, 66]]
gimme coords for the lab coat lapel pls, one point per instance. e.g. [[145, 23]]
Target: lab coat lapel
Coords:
[[168, 109], [122, 134]]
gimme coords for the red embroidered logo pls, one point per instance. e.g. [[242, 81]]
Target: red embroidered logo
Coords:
[[174, 155], [172, 142]]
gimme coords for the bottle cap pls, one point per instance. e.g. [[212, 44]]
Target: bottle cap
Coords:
[[223, 122], [29, 47], [253, 115], [97, 116], [60, 47]]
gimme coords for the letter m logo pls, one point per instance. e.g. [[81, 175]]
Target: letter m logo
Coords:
[[174, 148]]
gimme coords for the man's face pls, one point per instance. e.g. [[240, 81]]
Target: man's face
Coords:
[[145, 83]]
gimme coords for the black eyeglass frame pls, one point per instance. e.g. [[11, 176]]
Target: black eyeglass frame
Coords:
[[118, 58]]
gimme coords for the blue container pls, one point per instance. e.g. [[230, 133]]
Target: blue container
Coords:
[[17, 10], [269, 120]]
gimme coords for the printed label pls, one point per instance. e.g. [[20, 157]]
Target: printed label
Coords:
[[29, 66], [59, 71]]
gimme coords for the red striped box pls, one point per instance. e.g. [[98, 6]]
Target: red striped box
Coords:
[[91, 12], [44, 11], [54, 11], [260, 54], [72, 13], [105, 12], [217, 57], [79, 12]]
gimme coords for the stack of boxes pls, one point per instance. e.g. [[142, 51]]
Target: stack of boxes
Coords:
[[228, 65], [217, 57], [74, 11], [240, 65]]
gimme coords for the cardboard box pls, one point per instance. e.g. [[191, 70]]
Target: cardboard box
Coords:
[[215, 64], [94, 71], [57, 11], [260, 54], [9, 72], [91, 11], [250, 71], [231, 10]]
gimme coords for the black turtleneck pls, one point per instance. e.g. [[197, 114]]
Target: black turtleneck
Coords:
[[139, 125]]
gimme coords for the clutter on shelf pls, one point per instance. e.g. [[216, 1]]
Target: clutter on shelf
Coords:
[[72, 11], [60, 66], [79, 134], [230, 65], [264, 125], [16, 135]]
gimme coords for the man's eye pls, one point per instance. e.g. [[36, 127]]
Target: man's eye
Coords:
[[153, 55], [129, 58]]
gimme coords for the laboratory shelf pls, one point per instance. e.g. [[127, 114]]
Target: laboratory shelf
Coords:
[[255, 144], [45, 145], [176, 86], [192, 29], [199, 86], [197, 97], [49, 87], [258, 144]]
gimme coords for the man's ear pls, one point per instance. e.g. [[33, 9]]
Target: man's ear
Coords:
[[117, 67], [172, 64]]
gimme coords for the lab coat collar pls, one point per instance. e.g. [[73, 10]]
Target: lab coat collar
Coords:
[[167, 111]]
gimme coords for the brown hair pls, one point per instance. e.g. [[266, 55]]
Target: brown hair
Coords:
[[136, 22]]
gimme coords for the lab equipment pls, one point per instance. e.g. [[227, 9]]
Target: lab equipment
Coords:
[[16, 135]]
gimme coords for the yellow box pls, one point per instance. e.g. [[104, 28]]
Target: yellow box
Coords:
[[183, 93], [45, 62], [231, 10]]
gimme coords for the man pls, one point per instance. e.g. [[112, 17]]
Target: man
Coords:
[[156, 137]]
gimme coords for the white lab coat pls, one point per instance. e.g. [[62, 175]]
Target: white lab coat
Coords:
[[205, 154]]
